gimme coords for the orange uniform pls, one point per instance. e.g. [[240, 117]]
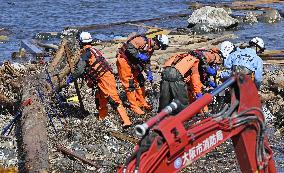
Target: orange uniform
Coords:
[[213, 56], [187, 65], [208, 59], [180, 73], [130, 70], [98, 72]]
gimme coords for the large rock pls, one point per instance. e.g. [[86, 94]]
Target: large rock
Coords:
[[270, 16], [207, 19], [250, 17], [5, 31]]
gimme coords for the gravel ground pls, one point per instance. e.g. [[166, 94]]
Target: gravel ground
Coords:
[[91, 138]]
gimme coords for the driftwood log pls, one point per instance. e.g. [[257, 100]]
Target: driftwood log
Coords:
[[58, 56], [34, 122], [34, 118], [64, 58], [31, 127]]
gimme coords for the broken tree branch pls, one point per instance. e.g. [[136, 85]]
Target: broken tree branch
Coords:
[[73, 154], [71, 63], [58, 56]]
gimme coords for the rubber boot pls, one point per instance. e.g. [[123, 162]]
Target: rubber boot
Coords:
[[103, 113], [133, 103], [122, 112], [140, 95]]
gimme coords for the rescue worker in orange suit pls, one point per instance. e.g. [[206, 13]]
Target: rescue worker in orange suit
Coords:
[[132, 59], [186, 74], [98, 72], [180, 72], [209, 64]]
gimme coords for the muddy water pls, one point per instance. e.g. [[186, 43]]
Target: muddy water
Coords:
[[27, 18]]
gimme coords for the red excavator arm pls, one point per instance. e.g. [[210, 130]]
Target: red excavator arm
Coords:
[[169, 146]]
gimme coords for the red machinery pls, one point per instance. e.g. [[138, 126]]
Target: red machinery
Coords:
[[169, 146]]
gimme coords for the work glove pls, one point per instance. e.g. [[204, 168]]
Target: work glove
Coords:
[[211, 71], [198, 96], [69, 79], [212, 84], [225, 74], [143, 57], [150, 75]]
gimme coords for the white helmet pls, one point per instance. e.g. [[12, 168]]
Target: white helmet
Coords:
[[257, 42], [86, 37], [163, 40], [226, 48]]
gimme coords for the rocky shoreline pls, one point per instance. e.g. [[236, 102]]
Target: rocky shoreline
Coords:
[[95, 140], [92, 139]]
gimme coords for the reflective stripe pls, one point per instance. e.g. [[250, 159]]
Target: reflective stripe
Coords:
[[182, 62], [244, 70], [145, 46], [199, 54], [96, 72], [135, 36], [178, 59]]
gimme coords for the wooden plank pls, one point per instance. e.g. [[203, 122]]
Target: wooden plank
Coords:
[[272, 53]]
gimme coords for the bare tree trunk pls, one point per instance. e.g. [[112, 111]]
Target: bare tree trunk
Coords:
[[58, 56], [66, 57]]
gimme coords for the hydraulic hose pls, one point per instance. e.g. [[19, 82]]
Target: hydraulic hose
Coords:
[[260, 149]]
